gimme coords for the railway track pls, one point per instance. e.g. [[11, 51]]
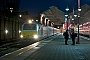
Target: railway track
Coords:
[[13, 46]]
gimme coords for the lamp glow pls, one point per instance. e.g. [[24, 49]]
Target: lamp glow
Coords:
[[35, 36], [6, 31], [21, 36], [19, 31], [29, 21]]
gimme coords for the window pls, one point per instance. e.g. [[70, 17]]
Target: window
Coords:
[[29, 27]]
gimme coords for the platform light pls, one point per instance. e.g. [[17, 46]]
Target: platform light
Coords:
[[66, 15], [75, 15], [79, 9], [67, 9], [72, 18]]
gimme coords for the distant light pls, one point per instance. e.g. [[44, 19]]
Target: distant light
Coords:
[[21, 36], [6, 31], [36, 20], [75, 15], [32, 20], [20, 15], [72, 19], [29, 21], [48, 20], [19, 31], [58, 27], [78, 15], [79, 9], [67, 9], [65, 19], [11, 9], [66, 15]]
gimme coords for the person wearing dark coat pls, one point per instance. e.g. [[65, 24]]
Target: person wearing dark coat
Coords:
[[73, 37], [66, 36]]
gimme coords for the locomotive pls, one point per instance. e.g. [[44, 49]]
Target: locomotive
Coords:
[[85, 29], [35, 30]]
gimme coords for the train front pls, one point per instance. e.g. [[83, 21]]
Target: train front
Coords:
[[29, 30]]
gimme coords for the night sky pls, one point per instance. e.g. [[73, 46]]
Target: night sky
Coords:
[[34, 6]]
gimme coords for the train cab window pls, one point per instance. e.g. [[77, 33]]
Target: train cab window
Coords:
[[29, 27]]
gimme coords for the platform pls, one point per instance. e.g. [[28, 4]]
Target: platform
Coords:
[[54, 48]]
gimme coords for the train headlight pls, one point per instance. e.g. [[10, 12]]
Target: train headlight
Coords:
[[35, 36], [21, 36]]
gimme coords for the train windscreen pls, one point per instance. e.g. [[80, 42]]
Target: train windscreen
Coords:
[[29, 27]]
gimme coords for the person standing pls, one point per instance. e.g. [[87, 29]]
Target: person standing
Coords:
[[73, 37], [66, 36]]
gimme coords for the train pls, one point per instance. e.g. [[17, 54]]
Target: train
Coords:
[[35, 30], [84, 29]]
